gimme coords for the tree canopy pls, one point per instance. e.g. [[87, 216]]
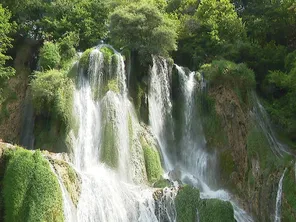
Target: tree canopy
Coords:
[[142, 27]]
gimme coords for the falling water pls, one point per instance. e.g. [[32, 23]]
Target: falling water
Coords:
[[194, 157], [262, 119], [277, 217], [69, 208], [108, 194], [160, 106], [198, 166]]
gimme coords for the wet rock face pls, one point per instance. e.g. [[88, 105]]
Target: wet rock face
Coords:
[[234, 122]]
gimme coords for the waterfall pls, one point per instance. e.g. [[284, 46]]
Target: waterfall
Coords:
[[261, 117], [197, 165], [27, 130], [160, 106], [194, 157], [277, 217], [69, 208], [102, 151]]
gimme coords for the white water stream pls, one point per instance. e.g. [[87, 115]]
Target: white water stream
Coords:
[[197, 165], [107, 194], [277, 217]]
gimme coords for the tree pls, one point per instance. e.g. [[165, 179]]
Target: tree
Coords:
[[203, 35], [6, 28], [142, 27]]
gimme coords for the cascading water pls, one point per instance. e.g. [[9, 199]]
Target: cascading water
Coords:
[[101, 146], [262, 119], [197, 165], [277, 217], [160, 106]]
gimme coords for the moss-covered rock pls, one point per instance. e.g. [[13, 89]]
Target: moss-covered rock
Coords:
[[289, 193], [162, 183], [191, 208], [112, 85], [107, 53], [70, 179], [215, 210], [187, 202], [227, 165], [152, 161], [109, 152], [31, 190], [84, 59]]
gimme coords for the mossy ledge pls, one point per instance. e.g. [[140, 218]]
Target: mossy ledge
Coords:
[[191, 208], [152, 161], [31, 191]]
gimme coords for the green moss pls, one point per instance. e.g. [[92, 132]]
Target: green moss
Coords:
[[107, 53], [84, 59], [189, 205], [130, 131], [31, 190], [109, 150], [289, 193], [257, 145], [227, 164], [152, 161], [212, 124], [113, 86], [215, 210], [162, 183], [187, 202]]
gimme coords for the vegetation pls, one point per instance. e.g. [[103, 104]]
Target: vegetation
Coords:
[[31, 190], [152, 161], [189, 206], [6, 28], [52, 93], [143, 28], [49, 57]]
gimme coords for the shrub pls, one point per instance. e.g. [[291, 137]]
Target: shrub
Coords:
[[31, 190], [49, 57], [52, 93], [226, 72]]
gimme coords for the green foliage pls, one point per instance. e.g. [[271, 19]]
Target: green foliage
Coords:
[[52, 93], [31, 190], [283, 107], [142, 27], [6, 28], [67, 44], [152, 161], [228, 73], [49, 57], [187, 202], [50, 20], [204, 33], [215, 210]]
